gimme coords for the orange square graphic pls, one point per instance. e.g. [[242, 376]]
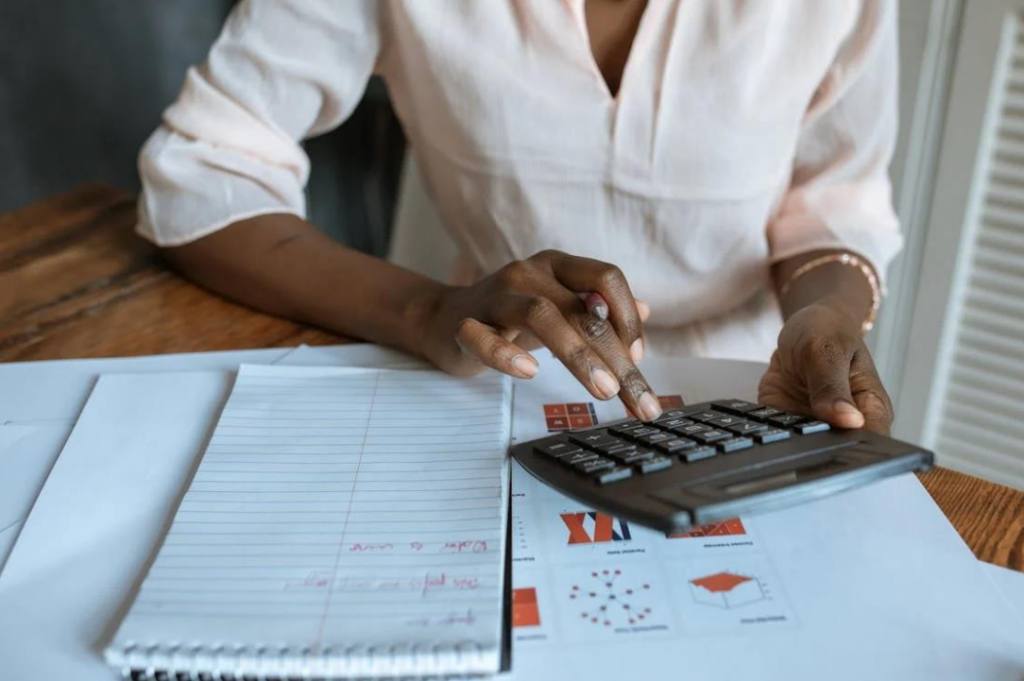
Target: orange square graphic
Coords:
[[554, 410], [569, 416], [525, 612], [580, 421], [557, 423], [578, 408]]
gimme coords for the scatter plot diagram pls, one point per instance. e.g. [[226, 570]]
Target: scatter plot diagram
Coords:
[[610, 599]]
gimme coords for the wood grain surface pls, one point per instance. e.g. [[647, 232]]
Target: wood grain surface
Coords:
[[75, 281]]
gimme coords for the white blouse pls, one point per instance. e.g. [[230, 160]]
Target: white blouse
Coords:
[[743, 133]]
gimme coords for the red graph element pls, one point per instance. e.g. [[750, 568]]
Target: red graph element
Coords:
[[591, 527], [569, 416], [721, 582], [724, 528], [525, 612]]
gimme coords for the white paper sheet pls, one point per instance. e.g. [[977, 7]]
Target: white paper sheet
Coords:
[[1010, 583], [354, 355], [26, 455], [50, 395], [99, 518], [32, 392], [873, 583], [332, 508]]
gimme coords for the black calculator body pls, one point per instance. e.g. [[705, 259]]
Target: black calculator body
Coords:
[[712, 461]]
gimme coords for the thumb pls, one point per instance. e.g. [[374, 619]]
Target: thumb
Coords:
[[828, 387]]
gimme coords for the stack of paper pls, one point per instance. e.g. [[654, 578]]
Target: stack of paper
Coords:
[[336, 512], [870, 584]]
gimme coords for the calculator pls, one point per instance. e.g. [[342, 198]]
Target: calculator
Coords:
[[712, 461]]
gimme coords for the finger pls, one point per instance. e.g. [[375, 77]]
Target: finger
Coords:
[[644, 309], [541, 317], [584, 274], [598, 306], [492, 349], [870, 395], [636, 393], [827, 370]]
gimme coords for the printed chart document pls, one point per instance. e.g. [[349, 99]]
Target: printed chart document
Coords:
[[341, 523], [872, 583]]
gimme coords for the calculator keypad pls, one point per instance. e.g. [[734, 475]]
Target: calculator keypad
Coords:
[[687, 435]]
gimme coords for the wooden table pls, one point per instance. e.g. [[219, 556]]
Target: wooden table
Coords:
[[76, 282]]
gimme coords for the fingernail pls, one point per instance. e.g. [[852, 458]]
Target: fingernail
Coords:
[[850, 413], [636, 350], [649, 406], [643, 308], [524, 365], [606, 385], [597, 305]]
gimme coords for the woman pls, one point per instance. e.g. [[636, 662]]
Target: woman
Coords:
[[722, 160]]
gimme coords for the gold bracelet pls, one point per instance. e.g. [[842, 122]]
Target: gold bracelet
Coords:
[[850, 260]]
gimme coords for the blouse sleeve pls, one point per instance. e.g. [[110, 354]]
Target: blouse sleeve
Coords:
[[840, 196], [228, 148]]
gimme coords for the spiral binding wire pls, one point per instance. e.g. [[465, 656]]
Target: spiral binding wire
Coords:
[[267, 663]]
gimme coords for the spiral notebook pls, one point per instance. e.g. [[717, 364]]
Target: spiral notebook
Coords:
[[341, 523]]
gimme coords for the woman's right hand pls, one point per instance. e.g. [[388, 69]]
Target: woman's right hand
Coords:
[[486, 324]]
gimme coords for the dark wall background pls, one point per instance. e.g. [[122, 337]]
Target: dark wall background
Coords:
[[82, 84]]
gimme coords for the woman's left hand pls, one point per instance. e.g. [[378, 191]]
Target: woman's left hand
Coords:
[[822, 367]]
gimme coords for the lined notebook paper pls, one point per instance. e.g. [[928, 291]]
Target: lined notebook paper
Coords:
[[342, 522]]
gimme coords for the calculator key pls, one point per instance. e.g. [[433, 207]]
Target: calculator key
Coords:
[[709, 436], [689, 430], [556, 447], [726, 421], [577, 457], [654, 465], [594, 465], [786, 420], [625, 427], [676, 414], [618, 445], [592, 438], [674, 423], [656, 438], [638, 433], [632, 457], [613, 475], [735, 406], [735, 444], [771, 435], [676, 445], [747, 428], [700, 452], [763, 413], [810, 427], [706, 416]]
